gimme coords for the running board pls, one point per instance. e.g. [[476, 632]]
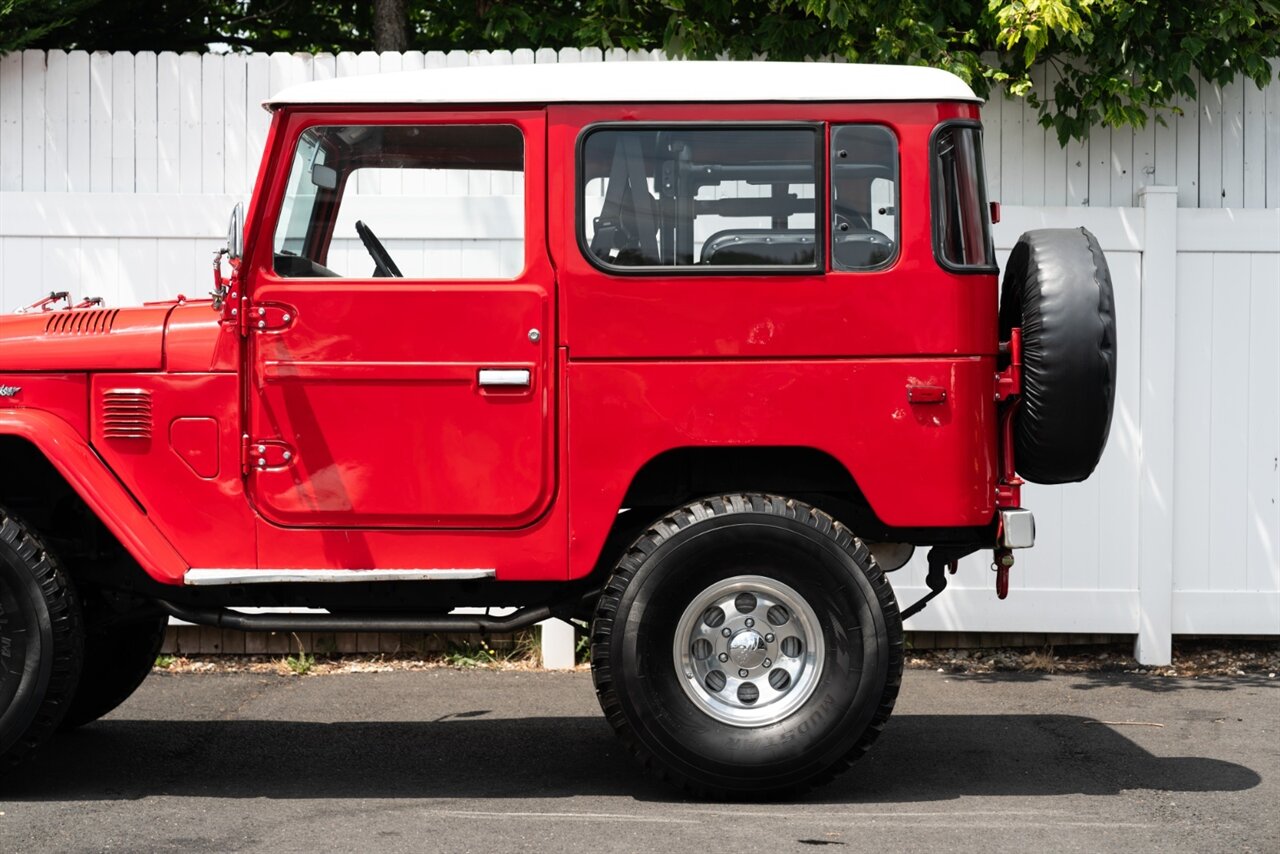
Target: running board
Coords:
[[202, 577], [274, 622]]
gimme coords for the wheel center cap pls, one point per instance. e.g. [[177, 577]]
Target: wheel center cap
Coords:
[[747, 649]]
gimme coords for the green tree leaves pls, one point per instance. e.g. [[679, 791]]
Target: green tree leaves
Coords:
[[25, 22], [1117, 62]]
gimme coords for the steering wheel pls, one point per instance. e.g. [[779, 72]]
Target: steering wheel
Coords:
[[383, 265]]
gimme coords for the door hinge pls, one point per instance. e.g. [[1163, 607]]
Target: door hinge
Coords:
[[1009, 381], [267, 317], [264, 454]]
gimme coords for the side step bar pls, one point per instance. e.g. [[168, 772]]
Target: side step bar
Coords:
[[227, 619]]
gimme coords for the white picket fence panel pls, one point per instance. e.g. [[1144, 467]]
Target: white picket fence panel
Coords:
[[193, 123], [117, 172]]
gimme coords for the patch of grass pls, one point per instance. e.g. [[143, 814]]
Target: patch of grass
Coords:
[[523, 649], [164, 662], [1040, 661], [527, 646], [465, 655]]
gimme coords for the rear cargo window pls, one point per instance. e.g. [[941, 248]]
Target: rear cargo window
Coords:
[[864, 197], [961, 224], [710, 199]]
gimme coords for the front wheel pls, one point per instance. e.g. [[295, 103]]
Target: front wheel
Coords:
[[41, 641], [118, 656], [747, 645]]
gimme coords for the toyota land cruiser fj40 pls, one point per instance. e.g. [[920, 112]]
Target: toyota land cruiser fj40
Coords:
[[696, 352]]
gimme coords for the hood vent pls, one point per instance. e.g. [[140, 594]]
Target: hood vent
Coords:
[[126, 413], [81, 322]]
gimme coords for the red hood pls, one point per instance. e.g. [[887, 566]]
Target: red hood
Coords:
[[87, 339]]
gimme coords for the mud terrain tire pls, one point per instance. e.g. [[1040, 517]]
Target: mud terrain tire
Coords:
[[41, 642], [711, 744], [117, 658]]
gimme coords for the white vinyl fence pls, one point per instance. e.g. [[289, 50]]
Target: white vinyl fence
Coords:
[[1178, 532], [118, 171]]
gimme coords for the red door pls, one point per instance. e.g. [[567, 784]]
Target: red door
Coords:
[[420, 400]]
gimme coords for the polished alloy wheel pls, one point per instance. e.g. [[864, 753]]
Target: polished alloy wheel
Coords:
[[748, 650]]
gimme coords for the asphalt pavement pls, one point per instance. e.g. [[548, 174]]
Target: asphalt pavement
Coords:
[[482, 761]]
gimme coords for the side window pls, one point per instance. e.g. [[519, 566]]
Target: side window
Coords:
[[706, 198], [864, 197], [413, 201], [961, 224]]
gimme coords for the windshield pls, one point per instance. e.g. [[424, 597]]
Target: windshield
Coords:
[[300, 198]]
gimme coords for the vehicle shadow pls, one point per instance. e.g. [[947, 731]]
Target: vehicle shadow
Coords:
[[918, 758], [1147, 683]]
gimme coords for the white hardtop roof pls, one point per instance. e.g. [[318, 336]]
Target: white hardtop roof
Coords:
[[632, 82]]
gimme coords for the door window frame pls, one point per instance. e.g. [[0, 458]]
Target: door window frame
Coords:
[[290, 127]]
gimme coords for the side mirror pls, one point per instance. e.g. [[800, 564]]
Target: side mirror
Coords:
[[235, 233], [233, 251]]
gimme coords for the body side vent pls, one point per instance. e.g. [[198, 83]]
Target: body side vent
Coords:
[[126, 413], [81, 322]]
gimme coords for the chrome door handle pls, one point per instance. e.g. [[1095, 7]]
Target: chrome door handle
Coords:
[[490, 377]]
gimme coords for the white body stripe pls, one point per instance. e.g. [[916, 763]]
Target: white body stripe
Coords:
[[197, 577]]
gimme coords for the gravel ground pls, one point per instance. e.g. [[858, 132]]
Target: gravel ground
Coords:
[[1191, 658]]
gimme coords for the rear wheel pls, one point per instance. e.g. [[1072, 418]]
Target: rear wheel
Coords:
[[747, 645], [41, 641]]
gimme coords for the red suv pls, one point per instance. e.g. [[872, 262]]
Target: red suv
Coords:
[[697, 352]]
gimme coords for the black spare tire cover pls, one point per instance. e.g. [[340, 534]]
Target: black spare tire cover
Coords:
[[1058, 289]]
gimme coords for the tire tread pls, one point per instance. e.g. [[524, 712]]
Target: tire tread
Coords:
[[66, 629]]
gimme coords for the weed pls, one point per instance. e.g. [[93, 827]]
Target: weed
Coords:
[[1040, 661], [164, 662], [525, 646], [301, 663]]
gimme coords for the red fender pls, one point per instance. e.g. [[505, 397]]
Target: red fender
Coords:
[[107, 498]]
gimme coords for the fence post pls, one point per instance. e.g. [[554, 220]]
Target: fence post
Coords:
[[1156, 425], [558, 651]]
